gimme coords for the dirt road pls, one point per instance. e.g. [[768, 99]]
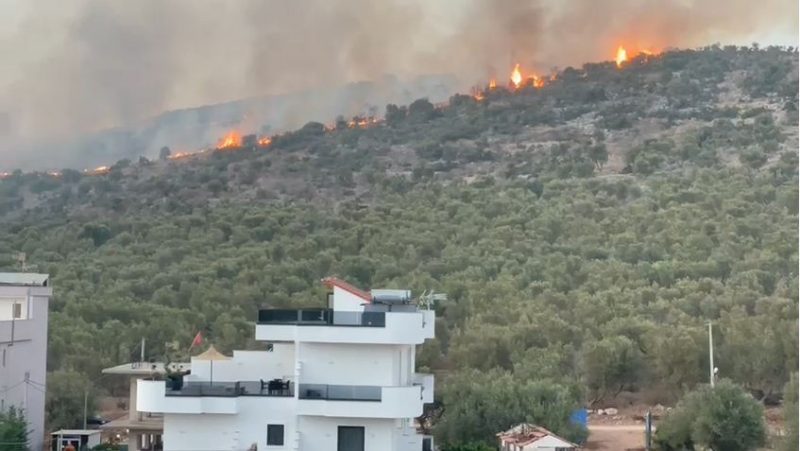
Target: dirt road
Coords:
[[615, 437]]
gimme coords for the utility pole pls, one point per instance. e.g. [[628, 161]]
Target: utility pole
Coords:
[[710, 355], [85, 405], [141, 359]]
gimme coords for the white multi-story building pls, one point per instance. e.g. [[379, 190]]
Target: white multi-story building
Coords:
[[335, 379], [24, 299]]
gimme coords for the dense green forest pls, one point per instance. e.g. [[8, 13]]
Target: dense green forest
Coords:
[[584, 233]]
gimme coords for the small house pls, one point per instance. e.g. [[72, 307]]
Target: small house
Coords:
[[80, 439], [529, 437]]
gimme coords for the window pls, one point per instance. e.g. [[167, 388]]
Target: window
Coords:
[[274, 435], [17, 313]]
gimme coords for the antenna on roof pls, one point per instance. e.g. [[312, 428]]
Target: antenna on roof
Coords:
[[429, 297], [23, 262]]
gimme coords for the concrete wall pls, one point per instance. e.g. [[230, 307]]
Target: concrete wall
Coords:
[[7, 307], [343, 300], [320, 434], [401, 328], [348, 364], [232, 432], [249, 366], [23, 363]]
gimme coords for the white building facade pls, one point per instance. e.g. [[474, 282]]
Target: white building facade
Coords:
[[335, 379], [24, 301]]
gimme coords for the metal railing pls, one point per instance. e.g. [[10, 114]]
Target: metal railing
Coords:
[[321, 317], [234, 389], [340, 392]]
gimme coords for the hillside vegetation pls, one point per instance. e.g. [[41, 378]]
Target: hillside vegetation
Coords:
[[584, 232]]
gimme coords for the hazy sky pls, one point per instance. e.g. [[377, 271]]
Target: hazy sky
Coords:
[[78, 65]]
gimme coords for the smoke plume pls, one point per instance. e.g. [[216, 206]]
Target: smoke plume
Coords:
[[82, 65]]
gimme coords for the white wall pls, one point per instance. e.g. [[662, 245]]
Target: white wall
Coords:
[[343, 300], [232, 432], [7, 308], [401, 327], [348, 364], [248, 366], [28, 355], [320, 434]]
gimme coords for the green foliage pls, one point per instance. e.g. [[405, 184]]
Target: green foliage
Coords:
[[480, 404], [610, 365], [584, 232], [65, 396], [724, 417], [790, 415], [14, 434]]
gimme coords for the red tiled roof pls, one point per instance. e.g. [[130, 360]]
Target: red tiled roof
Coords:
[[525, 434], [331, 282]]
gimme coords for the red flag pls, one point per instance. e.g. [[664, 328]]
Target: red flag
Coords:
[[198, 340]]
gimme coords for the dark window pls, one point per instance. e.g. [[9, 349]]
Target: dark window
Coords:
[[351, 438], [17, 311], [275, 434]]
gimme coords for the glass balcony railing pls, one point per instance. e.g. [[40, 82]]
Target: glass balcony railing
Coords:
[[321, 317], [232, 389], [339, 392]]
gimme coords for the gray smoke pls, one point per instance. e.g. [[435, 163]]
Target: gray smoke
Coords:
[[82, 65]]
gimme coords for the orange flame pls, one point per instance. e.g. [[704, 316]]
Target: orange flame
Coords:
[[264, 141], [536, 81], [492, 83], [516, 76], [622, 56], [362, 122], [180, 155], [99, 170], [232, 139]]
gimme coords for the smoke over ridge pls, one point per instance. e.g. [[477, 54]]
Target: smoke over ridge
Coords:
[[83, 65]]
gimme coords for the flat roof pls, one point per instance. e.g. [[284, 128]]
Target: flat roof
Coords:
[[28, 279], [76, 432], [142, 368], [154, 424]]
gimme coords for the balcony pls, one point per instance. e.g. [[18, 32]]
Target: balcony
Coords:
[[359, 401], [321, 317], [340, 392], [204, 397], [329, 326], [233, 389], [425, 381]]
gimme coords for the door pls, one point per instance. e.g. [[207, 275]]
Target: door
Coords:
[[350, 438]]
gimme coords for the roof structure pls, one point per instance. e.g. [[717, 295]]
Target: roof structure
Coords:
[[331, 282], [525, 433], [28, 279], [211, 354], [142, 368], [76, 432]]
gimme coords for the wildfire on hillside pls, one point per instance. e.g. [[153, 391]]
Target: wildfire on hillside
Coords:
[[264, 141], [516, 76], [623, 55], [100, 170], [363, 122], [231, 140], [180, 155]]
